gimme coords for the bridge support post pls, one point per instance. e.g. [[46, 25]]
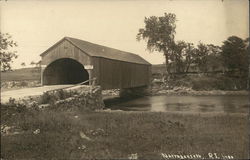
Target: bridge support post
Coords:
[[135, 92], [42, 71], [90, 76]]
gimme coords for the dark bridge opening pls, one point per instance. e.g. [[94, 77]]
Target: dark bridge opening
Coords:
[[64, 71]]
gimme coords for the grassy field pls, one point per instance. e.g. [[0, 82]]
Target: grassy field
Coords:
[[73, 134], [21, 74]]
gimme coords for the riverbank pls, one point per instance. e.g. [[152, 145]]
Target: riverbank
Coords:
[[72, 134], [184, 91]]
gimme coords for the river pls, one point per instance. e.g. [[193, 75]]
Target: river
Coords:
[[198, 104]]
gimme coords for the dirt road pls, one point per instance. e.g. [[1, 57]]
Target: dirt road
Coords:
[[26, 92]]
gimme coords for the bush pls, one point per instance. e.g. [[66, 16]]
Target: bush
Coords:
[[51, 97], [207, 82], [219, 83], [23, 84], [46, 98]]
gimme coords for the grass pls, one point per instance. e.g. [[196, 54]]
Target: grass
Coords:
[[207, 82], [26, 74], [20, 78], [119, 134]]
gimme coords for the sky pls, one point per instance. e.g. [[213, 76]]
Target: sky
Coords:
[[37, 25]]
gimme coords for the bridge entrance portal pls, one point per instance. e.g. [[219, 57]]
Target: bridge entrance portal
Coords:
[[64, 71]]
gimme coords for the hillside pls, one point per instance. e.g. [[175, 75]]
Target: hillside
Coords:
[[158, 68], [21, 74]]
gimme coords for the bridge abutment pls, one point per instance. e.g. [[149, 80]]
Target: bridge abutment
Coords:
[[135, 92]]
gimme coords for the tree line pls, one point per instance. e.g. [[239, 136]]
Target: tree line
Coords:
[[32, 63], [231, 57], [182, 57]]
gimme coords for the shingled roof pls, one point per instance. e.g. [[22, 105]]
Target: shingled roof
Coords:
[[96, 50]]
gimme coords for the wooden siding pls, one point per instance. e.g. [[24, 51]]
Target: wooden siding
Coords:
[[112, 74], [66, 50]]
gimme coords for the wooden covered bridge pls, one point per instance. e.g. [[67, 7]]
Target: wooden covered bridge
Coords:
[[71, 61]]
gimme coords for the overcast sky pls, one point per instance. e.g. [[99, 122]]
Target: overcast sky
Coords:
[[37, 25]]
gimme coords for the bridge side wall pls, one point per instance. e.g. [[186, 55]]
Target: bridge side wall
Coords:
[[118, 74], [110, 74]]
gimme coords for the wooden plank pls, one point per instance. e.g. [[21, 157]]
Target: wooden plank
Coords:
[[66, 50]]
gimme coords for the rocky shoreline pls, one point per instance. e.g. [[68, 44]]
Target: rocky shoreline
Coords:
[[84, 97], [183, 91]]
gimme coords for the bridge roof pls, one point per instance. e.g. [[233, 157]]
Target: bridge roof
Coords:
[[96, 50]]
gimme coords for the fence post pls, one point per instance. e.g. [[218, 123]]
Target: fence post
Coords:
[[94, 81], [42, 68]]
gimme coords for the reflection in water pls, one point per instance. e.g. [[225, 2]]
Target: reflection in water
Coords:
[[232, 104]]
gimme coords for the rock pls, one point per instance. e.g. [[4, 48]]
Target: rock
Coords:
[[82, 147], [83, 97], [83, 136], [37, 131], [32, 104], [97, 132], [10, 130], [42, 106], [5, 129], [133, 156], [100, 131]]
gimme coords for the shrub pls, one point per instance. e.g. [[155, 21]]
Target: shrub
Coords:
[[46, 98], [220, 82], [23, 84]]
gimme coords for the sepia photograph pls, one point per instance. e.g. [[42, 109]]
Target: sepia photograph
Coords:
[[125, 79]]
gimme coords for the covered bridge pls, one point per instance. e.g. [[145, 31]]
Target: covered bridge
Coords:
[[71, 61]]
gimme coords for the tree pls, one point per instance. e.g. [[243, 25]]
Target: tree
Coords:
[[6, 55], [177, 56], [214, 59], [202, 52], [23, 64], [234, 53], [208, 57], [159, 32], [32, 63], [248, 53], [38, 64], [190, 55]]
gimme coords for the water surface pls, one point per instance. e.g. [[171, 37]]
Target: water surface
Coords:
[[230, 104]]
